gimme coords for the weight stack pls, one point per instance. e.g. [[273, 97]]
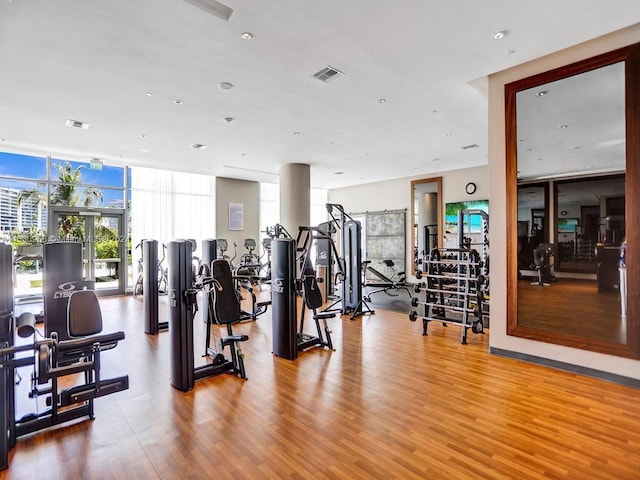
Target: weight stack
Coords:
[[352, 284], [180, 316], [283, 298], [62, 277], [150, 285], [209, 254]]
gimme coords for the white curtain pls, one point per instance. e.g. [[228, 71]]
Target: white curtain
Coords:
[[169, 205]]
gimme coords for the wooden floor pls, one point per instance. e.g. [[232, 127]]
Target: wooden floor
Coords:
[[388, 403], [572, 306]]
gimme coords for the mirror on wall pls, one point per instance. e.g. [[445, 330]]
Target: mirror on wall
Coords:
[[570, 161], [426, 212]]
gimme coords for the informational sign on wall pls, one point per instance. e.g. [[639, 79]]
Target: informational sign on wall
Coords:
[[236, 216]]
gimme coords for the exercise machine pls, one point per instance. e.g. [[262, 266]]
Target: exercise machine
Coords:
[[151, 269], [312, 301], [183, 305], [542, 259], [283, 298], [351, 300], [52, 359]]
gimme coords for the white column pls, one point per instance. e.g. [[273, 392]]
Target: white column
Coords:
[[295, 193]]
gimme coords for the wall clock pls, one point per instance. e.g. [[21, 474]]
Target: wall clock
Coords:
[[470, 188]]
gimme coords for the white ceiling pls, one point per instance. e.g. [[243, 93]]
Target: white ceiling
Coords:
[[94, 61]]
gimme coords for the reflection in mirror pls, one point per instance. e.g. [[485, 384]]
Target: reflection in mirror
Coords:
[[570, 208], [426, 212]]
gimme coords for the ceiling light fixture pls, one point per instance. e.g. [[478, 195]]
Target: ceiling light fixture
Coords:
[[499, 35], [77, 124], [338, 173], [178, 102], [225, 86], [562, 127], [382, 100], [510, 52], [296, 133], [246, 36], [198, 146], [229, 119], [447, 134], [143, 136], [541, 93], [145, 150], [215, 8], [149, 94]]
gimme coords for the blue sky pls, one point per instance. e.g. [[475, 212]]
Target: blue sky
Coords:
[[25, 166]]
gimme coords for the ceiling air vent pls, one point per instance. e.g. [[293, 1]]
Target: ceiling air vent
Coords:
[[327, 74], [77, 124], [467, 147]]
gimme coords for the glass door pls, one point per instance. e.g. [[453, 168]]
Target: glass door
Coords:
[[101, 232]]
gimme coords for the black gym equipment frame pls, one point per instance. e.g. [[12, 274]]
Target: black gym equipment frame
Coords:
[[351, 300], [51, 359], [182, 309], [150, 288]]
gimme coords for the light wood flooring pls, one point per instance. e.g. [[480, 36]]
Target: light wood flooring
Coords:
[[574, 307], [388, 403]]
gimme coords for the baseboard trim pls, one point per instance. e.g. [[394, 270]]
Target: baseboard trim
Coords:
[[589, 372]]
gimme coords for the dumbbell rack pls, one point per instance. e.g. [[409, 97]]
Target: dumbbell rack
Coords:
[[453, 290]]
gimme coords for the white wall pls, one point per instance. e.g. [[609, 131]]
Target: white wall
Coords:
[[396, 194], [497, 173], [229, 190]]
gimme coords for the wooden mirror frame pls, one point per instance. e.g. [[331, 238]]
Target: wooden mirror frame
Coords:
[[438, 182], [631, 56]]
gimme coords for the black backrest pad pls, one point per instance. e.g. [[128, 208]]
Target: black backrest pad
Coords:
[[84, 316], [310, 288], [226, 308]]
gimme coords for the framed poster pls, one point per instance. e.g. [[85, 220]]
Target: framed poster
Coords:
[[236, 216]]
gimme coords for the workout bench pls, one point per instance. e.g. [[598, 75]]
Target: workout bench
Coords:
[[387, 285]]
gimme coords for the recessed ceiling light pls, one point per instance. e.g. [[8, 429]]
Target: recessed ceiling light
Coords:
[[562, 127], [447, 134], [338, 173], [296, 133], [434, 111], [435, 160], [510, 52], [143, 136], [149, 94], [577, 147], [229, 119], [541, 93], [499, 35], [145, 150], [246, 35], [178, 102], [382, 100], [77, 124], [225, 86], [198, 146]]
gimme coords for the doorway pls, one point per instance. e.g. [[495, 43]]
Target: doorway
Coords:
[[101, 233]]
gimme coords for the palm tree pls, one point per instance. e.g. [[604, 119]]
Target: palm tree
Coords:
[[65, 193]]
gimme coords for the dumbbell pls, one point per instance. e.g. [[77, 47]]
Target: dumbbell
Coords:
[[413, 315]]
